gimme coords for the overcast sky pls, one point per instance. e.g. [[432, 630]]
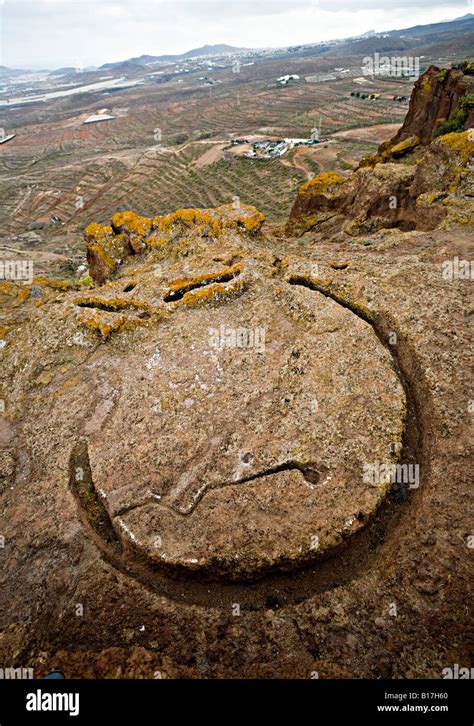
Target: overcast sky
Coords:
[[55, 33]]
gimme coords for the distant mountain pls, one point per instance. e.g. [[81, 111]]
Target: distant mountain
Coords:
[[144, 60], [212, 50], [464, 23], [458, 33], [10, 72], [128, 66], [64, 71]]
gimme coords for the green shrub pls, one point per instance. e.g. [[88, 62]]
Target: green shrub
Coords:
[[458, 119]]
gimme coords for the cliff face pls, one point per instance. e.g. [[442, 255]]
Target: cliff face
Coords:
[[419, 179], [437, 100]]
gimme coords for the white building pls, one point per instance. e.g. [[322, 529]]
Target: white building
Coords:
[[98, 117], [284, 79], [4, 139]]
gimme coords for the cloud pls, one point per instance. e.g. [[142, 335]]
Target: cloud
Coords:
[[54, 33]]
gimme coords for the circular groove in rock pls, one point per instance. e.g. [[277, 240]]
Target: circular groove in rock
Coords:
[[192, 583]]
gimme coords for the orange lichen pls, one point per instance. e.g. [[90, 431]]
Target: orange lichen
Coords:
[[23, 294], [20, 293], [188, 217], [224, 217], [97, 232], [109, 314], [7, 287], [251, 224], [105, 327], [108, 246], [107, 323]]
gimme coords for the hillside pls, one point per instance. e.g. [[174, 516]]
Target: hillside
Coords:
[[243, 448]]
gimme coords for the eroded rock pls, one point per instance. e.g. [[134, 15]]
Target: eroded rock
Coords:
[[223, 414]]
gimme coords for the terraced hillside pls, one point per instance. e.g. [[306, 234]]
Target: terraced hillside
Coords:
[[168, 146], [58, 167]]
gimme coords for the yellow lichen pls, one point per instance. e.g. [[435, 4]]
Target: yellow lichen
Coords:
[[188, 217], [7, 288], [182, 282], [23, 294], [428, 198], [224, 217], [461, 143], [97, 232], [404, 146], [250, 224], [54, 284], [216, 291], [108, 323], [322, 183], [104, 327], [426, 86], [132, 223], [15, 291]]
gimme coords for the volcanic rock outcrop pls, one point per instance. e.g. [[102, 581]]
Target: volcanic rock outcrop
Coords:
[[129, 233], [420, 179], [442, 101], [186, 392]]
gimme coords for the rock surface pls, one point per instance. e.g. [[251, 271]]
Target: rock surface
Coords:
[[223, 413], [119, 394]]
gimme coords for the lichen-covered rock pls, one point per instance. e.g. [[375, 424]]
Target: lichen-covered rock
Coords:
[[436, 99], [405, 146], [407, 184], [134, 226], [130, 233], [186, 444], [105, 251], [188, 393], [318, 200]]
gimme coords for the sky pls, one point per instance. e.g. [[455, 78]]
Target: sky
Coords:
[[56, 33]]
